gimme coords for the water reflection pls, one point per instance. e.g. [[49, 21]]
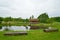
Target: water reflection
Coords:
[[16, 28]]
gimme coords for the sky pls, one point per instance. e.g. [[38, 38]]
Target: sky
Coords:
[[27, 8]]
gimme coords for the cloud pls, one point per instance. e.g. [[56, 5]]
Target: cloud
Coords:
[[26, 8]]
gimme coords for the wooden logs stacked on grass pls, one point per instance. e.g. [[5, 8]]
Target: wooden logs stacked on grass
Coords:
[[43, 27], [34, 27], [38, 27], [15, 33], [50, 30]]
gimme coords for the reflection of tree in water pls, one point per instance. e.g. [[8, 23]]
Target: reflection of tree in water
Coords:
[[26, 27], [6, 29], [7, 25]]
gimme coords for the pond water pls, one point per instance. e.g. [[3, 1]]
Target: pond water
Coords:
[[16, 28]]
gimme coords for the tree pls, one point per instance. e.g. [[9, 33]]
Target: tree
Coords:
[[32, 16], [7, 19], [26, 20], [43, 17], [57, 19], [50, 20], [1, 19]]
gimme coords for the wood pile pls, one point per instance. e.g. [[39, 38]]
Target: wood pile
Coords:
[[50, 30], [15, 33]]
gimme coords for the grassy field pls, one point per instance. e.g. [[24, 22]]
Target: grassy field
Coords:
[[35, 35]]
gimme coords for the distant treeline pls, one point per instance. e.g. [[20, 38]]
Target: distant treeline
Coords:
[[7, 19], [43, 18]]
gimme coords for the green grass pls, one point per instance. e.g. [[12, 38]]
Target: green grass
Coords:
[[35, 35]]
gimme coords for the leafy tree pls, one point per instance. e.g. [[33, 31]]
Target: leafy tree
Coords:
[[57, 19], [19, 19], [7, 19], [1, 19], [50, 20], [32, 16], [43, 17], [26, 20]]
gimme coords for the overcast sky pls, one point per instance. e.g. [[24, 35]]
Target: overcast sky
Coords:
[[26, 8]]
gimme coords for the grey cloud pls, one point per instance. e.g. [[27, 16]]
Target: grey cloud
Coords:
[[26, 8]]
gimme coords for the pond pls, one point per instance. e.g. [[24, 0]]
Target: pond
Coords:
[[15, 28]]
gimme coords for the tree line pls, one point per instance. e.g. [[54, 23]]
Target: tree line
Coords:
[[10, 19], [43, 18]]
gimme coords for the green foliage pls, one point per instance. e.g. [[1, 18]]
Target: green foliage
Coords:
[[32, 16], [21, 20], [26, 20], [7, 19], [43, 17], [57, 19], [0, 26], [1, 19], [50, 20], [53, 19]]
